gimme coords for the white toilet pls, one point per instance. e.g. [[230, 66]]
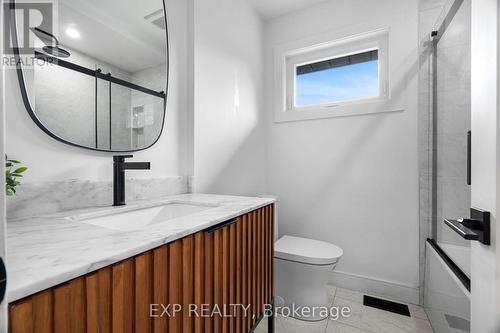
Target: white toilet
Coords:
[[302, 267]]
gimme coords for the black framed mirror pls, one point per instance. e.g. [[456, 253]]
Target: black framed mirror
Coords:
[[96, 73]]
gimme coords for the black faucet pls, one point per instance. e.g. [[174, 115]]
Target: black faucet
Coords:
[[119, 167]]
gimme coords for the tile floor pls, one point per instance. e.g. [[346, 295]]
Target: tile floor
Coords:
[[363, 319]]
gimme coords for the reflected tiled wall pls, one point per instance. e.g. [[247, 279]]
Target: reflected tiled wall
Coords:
[[64, 101]]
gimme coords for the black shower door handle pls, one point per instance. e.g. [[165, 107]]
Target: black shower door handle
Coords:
[[469, 157]]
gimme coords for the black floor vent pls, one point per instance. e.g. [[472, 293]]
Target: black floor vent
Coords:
[[386, 305]]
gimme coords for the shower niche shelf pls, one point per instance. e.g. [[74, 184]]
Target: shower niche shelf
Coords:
[[477, 227]]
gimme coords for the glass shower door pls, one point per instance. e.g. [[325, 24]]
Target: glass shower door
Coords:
[[447, 267], [451, 122]]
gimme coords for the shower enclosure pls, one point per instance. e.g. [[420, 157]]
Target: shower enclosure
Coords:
[[447, 266], [451, 124]]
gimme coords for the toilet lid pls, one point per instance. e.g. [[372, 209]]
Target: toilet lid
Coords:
[[308, 251]]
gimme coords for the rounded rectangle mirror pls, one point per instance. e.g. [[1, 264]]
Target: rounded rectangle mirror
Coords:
[[95, 73]]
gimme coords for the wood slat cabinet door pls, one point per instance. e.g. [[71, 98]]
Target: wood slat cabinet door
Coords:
[[215, 281], [239, 265]]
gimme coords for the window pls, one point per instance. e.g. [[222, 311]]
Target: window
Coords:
[[347, 78], [335, 77]]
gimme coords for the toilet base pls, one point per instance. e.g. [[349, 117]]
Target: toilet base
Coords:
[[301, 290]]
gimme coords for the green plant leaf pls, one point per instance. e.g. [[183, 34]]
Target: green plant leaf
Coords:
[[20, 170], [11, 177]]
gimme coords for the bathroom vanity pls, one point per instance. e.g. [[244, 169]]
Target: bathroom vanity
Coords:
[[83, 272]]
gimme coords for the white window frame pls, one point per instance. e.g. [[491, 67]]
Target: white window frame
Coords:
[[288, 57]]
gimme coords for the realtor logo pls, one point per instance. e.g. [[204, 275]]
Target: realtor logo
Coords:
[[30, 21]]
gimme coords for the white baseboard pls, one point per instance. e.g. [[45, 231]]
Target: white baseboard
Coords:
[[387, 289]]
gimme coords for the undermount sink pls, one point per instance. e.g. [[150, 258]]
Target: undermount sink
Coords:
[[128, 219]]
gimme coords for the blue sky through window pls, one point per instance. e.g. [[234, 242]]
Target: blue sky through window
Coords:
[[351, 82]]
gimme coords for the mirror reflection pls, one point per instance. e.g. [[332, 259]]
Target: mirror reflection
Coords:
[[99, 81]]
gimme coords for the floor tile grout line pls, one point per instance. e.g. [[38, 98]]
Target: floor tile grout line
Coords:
[[358, 328], [333, 297], [426, 315]]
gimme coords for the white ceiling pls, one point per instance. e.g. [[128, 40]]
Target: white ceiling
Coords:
[[114, 31], [273, 8]]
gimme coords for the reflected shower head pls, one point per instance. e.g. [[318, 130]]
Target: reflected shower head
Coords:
[[56, 51], [52, 43]]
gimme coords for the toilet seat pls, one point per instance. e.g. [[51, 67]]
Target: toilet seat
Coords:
[[307, 251]]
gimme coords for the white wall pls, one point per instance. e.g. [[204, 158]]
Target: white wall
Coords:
[[485, 92], [229, 133], [353, 181], [224, 62], [49, 160]]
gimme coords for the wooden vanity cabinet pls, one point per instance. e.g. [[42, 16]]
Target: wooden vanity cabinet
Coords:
[[231, 263]]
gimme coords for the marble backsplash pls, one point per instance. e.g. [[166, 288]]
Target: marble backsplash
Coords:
[[35, 199]]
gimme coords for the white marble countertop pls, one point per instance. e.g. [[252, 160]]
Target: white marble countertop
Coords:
[[45, 251]]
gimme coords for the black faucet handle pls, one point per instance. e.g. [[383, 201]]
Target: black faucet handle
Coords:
[[121, 158]]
